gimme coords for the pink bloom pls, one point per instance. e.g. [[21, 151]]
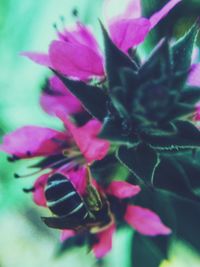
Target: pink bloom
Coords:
[[33, 141], [127, 28], [104, 244], [77, 53], [145, 221], [92, 147], [122, 189], [57, 98]]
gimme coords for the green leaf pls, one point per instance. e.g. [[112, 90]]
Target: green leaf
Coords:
[[159, 62], [180, 214], [115, 60], [93, 98], [191, 167], [141, 160], [119, 101], [187, 136], [180, 110], [171, 176], [182, 50], [118, 131], [148, 251]]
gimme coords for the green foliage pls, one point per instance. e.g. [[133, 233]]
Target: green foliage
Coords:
[[142, 160]]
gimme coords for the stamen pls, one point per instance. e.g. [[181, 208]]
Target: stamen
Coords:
[[13, 158], [75, 12], [29, 190], [71, 163]]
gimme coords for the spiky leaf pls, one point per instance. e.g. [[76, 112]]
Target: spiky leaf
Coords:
[[93, 98], [182, 50], [115, 60], [187, 136]]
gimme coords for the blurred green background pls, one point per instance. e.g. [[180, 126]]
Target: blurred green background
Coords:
[[28, 25]]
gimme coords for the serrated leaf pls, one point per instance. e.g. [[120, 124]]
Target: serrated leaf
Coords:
[[118, 131], [182, 50], [115, 60], [187, 136], [93, 98], [141, 160]]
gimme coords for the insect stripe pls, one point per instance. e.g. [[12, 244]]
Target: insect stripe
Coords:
[[53, 203], [76, 209], [59, 190], [56, 183]]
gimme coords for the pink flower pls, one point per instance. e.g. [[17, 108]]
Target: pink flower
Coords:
[[77, 54], [127, 28], [65, 151], [57, 98]]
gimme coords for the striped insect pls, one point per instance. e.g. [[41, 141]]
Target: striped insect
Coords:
[[71, 210]]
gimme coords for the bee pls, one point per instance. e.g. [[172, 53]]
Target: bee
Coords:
[[73, 211]]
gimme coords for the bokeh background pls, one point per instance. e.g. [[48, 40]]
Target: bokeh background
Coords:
[[28, 25]]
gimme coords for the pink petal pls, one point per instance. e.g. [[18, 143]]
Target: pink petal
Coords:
[[156, 17], [75, 60], [32, 141], [92, 147], [122, 189], [194, 76], [145, 221], [104, 244], [127, 33], [59, 99], [197, 113], [65, 234], [39, 58], [81, 34], [124, 9], [78, 179], [38, 194]]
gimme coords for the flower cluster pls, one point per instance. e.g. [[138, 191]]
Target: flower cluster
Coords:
[[99, 122]]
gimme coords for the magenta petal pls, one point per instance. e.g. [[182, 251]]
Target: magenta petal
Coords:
[[145, 221], [127, 33], [81, 35], [104, 244], [197, 113], [59, 99], [92, 147], [194, 76], [122, 189], [75, 60], [65, 234], [40, 58], [156, 17], [31, 141], [78, 179], [38, 194]]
